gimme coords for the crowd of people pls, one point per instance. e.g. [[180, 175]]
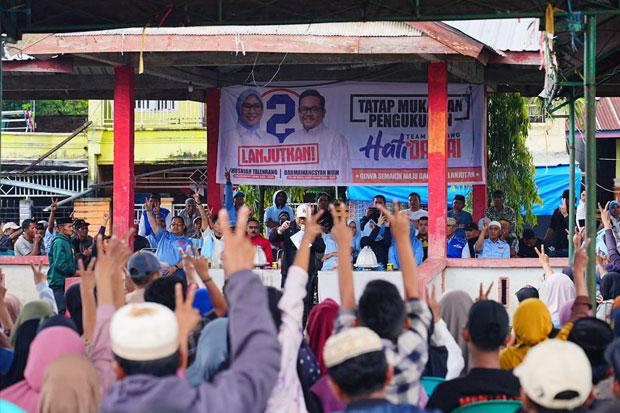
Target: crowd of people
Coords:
[[137, 334]]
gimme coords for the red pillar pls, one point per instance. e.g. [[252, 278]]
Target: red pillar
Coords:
[[480, 201], [480, 193], [124, 179], [213, 136], [437, 158]]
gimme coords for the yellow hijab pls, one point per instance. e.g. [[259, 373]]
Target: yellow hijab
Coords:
[[532, 325]]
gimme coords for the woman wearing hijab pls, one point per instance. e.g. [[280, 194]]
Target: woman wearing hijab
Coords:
[[614, 212], [52, 343], [70, 384], [34, 309], [13, 306], [24, 337], [211, 352], [73, 299], [247, 132], [453, 308], [320, 327], [560, 289], [357, 237]]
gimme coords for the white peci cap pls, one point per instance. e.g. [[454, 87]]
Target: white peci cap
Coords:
[[144, 332], [349, 344]]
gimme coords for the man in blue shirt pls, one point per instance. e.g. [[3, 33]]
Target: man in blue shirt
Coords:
[[457, 246], [145, 228], [492, 247], [168, 243], [462, 217], [233, 202]]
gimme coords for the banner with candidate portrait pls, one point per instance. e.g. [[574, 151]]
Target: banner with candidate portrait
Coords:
[[350, 133]]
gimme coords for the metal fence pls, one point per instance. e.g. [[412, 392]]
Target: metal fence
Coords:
[[159, 113], [35, 183]]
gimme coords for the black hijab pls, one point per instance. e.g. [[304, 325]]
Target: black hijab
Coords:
[[610, 286], [25, 335]]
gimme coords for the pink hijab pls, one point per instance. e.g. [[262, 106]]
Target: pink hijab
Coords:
[[13, 306], [47, 346], [560, 290]]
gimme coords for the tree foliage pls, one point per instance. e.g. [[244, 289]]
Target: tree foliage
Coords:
[[50, 107], [510, 164]]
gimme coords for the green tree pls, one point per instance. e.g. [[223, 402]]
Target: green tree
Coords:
[[50, 107], [510, 165]]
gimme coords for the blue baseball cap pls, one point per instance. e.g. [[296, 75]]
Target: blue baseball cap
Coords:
[[142, 264]]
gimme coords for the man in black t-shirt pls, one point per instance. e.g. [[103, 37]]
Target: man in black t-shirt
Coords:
[[528, 243], [558, 227], [485, 332]]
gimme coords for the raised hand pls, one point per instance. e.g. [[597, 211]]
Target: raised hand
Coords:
[[196, 197], [227, 174], [38, 274], [106, 217], [313, 228], [400, 222], [340, 231], [543, 258], [605, 215], [580, 257], [238, 251], [484, 296], [148, 205], [54, 205], [285, 225], [382, 219], [433, 304]]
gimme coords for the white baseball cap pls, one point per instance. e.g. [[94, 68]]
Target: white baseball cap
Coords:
[[302, 211], [144, 332], [553, 367], [10, 225]]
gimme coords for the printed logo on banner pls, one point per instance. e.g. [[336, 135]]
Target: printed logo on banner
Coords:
[[280, 104]]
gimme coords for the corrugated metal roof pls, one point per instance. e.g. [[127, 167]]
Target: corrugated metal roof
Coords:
[[608, 114], [367, 29], [517, 35]]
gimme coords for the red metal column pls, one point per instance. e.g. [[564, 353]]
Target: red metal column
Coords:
[[124, 179], [213, 135], [479, 200], [437, 158], [480, 192]]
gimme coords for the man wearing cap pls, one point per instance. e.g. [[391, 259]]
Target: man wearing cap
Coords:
[[158, 212], [189, 214], [62, 263], [472, 232], [558, 227], [10, 232], [487, 330], [143, 267], [359, 372], [556, 376], [457, 246], [233, 202], [149, 345], [463, 218], [288, 232], [30, 242], [499, 211], [492, 247]]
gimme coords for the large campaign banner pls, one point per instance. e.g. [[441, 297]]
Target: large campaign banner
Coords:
[[351, 133]]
